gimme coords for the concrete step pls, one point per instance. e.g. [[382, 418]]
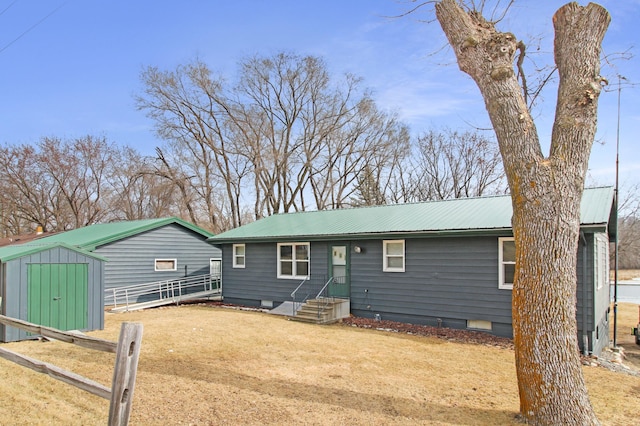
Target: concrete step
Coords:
[[315, 312]]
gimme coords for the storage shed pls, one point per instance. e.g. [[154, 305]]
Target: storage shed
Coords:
[[145, 251], [55, 285]]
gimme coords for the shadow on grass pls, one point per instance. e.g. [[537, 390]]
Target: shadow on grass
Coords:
[[392, 406]]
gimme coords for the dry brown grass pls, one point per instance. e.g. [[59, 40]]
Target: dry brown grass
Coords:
[[203, 365], [626, 274]]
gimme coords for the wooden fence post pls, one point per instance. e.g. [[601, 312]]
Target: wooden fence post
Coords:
[[124, 373]]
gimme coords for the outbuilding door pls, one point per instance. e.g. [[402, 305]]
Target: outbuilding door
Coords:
[[57, 295]]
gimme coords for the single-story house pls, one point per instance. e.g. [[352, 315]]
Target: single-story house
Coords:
[[442, 263], [144, 251], [54, 284]]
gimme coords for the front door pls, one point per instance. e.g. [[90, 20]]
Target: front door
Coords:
[[339, 271]]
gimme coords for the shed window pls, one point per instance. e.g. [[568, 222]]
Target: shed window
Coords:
[[166, 265], [238, 255], [293, 260], [393, 256], [506, 262]]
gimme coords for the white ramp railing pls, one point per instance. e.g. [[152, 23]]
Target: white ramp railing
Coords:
[[161, 292]]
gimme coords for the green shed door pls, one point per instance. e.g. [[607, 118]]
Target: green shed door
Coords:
[[57, 295]]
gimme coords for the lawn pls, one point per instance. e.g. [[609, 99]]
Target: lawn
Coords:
[[212, 365]]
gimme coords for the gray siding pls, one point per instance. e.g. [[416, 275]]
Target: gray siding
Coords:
[[258, 280], [447, 281], [451, 279], [132, 260], [592, 309], [14, 284]]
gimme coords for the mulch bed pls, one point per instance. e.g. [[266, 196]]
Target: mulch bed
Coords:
[[449, 334]]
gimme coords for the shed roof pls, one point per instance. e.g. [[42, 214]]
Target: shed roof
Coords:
[[12, 252], [93, 236], [456, 216]]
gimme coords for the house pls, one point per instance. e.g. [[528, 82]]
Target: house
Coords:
[[54, 284], [144, 251], [23, 238], [442, 263]]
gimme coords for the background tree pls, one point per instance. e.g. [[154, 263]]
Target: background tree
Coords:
[[191, 112], [27, 191], [454, 164], [545, 191], [65, 184], [80, 171], [138, 192], [284, 134], [629, 227]]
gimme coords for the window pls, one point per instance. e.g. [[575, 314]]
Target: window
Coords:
[[506, 262], [393, 256], [166, 265], [238, 256], [293, 260], [479, 325]]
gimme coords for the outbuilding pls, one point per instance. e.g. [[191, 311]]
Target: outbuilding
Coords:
[[51, 284], [145, 251]]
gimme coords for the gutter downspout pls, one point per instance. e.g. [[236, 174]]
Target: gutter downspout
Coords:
[[585, 336]]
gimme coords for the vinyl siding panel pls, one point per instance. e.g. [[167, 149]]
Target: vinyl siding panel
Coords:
[[447, 281], [451, 279], [15, 288], [132, 260], [258, 280], [592, 302]]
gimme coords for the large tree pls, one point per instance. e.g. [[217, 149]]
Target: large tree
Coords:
[[546, 191], [285, 135]]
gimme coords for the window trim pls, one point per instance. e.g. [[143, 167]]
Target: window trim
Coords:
[[164, 259], [385, 256], [294, 261], [501, 263], [236, 256]]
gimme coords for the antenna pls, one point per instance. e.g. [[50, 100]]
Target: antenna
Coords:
[[615, 241]]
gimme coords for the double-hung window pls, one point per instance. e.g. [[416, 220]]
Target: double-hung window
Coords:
[[393, 255], [506, 262], [293, 260], [239, 256]]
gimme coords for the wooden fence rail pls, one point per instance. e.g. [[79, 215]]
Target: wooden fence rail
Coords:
[[127, 351]]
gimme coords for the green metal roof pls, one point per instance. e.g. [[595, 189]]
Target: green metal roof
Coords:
[[90, 237], [16, 251], [457, 216]]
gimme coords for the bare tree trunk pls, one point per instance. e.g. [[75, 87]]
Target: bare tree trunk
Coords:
[[546, 193]]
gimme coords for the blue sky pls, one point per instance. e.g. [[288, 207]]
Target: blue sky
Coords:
[[69, 68]]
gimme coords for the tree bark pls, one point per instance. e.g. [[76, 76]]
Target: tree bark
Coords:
[[546, 193]]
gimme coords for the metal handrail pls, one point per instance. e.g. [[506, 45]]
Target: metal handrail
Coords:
[[300, 285], [306, 280], [324, 288], [323, 307]]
